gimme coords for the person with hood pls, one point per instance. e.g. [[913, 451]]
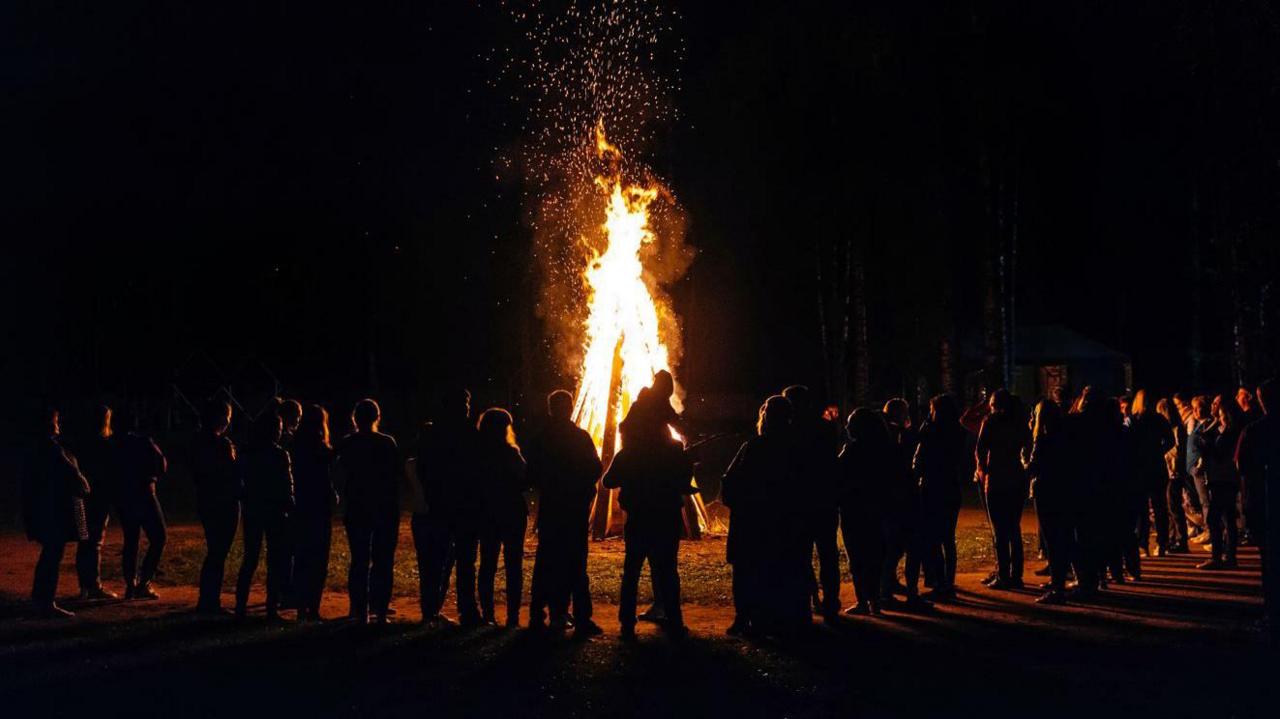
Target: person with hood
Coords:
[[867, 464], [1001, 440], [268, 502], [564, 468], [53, 496]]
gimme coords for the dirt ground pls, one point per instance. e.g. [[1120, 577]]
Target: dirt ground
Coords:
[[1182, 642]]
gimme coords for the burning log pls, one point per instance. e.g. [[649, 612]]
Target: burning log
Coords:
[[606, 504]]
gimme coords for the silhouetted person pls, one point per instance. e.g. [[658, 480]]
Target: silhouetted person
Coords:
[[312, 522], [142, 464], [97, 455], [218, 492], [1049, 466], [368, 468], [1001, 440], [53, 493], [504, 515], [1258, 460], [1175, 461], [652, 408], [1223, 481], [1152, 438], [268, 501], [1200, 428], [444, 469], [290, 413], [654, 476], [817, 443], [768, 545], [902, 508], [938, 462], [564, 467], [868, 463]]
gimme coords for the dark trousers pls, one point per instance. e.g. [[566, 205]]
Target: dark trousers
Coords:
[[939, 514], [89, 551], [750, 583], [1005, 506], [506, 538], [1224, 535], [219, 523], [433, 544], [275, 530], [312, 539], [1178, 531], [44, 585], [1058, 535], [1157, 499], [660, 545], [560, 564], [139, 514], [823, 526], [864, 543], [372, 542], [898, 532]]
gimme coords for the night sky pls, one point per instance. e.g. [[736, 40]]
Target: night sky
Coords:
[[312, 186]]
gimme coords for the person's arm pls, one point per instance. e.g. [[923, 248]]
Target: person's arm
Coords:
[[732, 476], [289, 497], [982, 448]]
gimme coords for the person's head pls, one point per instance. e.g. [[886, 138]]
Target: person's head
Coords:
[[800, 398], [1058, 395], [100, 416], [1001, 401], [944, 410], [217, 416], [453, 404], [314, 425], [366, 415], [290, 414], [775, 415], [1267, 396], [1046, 419], [1213, 405], [1139, 405], [1126, 404], [1244, 398], [495, 427], [1228, 413], [266, 431], [897, 411], [1112, 411], [560, 405], [1165, 409], [53, 421], [664, 385], [867, 425], [1200, 408]]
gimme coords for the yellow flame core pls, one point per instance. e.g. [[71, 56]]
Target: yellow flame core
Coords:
[[620, 306]]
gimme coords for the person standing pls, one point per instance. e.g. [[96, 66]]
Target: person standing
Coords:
[[268, 501], [867, 463], [817, 442], [368, 467], [564, 468], [1200, 430], [1258, 461], [312, 521], [53, 494], [218, 492], [1001, 440], [654, 475], [1049, 466], [1223, 480], [97, 456], [1152, 438], [902, 510], [1175, 461], [443, 470], [142, 464], [938, 462], [504, 515]]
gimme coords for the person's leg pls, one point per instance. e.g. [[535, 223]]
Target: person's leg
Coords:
[[829, 561], [576, 578], [1231, 526], [439, 552], [89, 551], [998, 511], [359, 543], [490, 544], [152, 520], [130, 530], [1159, 500], [277, 564], [513, 563], [950, 558], [219, 534], [323, 549], [44, 584], [385, 537], [418, 526], [467, 546], [632, 562], [664, 563], [1177, 514], [253, 537]]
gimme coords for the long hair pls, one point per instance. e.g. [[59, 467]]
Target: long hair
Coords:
[[944, 410], [1165, 409], [495, 427], [775, 413], [1048, 419], [1228, 413], [1139, 405], [867, 426], [314, 426]]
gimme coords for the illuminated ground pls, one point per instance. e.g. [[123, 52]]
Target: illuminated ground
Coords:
[[1161, 647]]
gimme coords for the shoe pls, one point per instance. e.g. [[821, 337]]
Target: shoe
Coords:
[[586, 629], [991, 579], [439, 620], [1177, 549], [470, 622], [1015, 583], [940, 594], [1082, 594], [653, 614], [1052, 597], [875, 609], [512, 622], [898, 588], [861, 609], [391, 611], [916, 604], [53, 611], [1044, 571], [241, 614], [212, 611], [142, 591], [1160, 551], [628, 633], [1000, 584], [380, 619], [1211, 564], [97, 593]]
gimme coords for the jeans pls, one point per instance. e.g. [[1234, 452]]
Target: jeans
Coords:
[[275, 530], [372, 542], [433, 544], [1005, 506], [44, 585], [89, 551], [660, 545], [139, 514], [1224, 535], [219, 521]]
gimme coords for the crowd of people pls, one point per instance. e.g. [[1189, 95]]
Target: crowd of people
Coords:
[[1106, 475]]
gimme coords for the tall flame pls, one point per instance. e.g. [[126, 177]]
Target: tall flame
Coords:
[[622, 316]]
